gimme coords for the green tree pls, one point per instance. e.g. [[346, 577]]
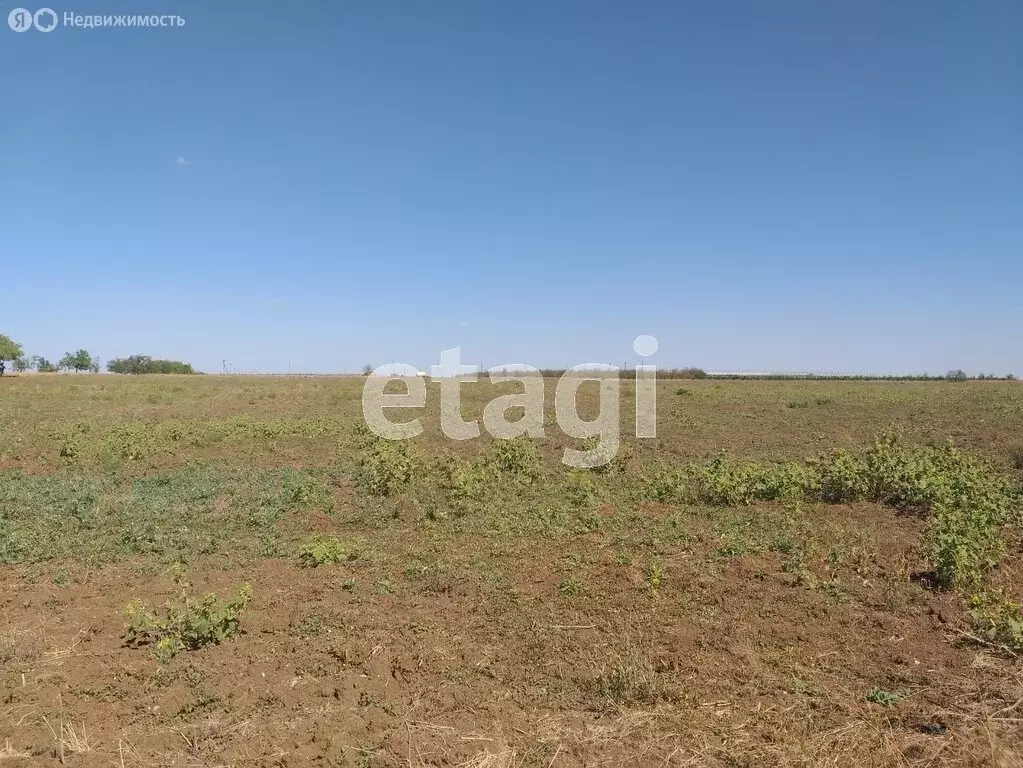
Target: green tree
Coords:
[[9, 350], [957, 374], [22, 364], [140, 364], [79, 361], [43, 365]]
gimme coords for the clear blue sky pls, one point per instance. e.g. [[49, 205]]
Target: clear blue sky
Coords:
[[760, 185]]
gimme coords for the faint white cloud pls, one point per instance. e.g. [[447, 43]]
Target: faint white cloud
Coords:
[[464, 324], [181, 161], [276, 301]]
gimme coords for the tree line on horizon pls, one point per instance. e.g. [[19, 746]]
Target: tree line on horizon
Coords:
[[956, 374], [83, 360]]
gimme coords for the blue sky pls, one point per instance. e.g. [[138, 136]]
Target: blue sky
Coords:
[[787, 185]]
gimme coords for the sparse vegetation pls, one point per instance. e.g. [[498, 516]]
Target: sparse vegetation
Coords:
[[742, 547], [998, 620], [1016, 457], [628, 679], [570, 587], [885, 699], [968, 501]]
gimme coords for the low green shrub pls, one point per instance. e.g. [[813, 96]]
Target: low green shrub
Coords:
[[723, 483], [73, 443], [302, 489], [998, 620], [570, 587], [882, 698], [517, 457], [186, 623], [607, 459], [470, 480], [386, 466], [580, 490], [133, 441], [325, 550], [842, 478], [517, 460], [968, 501]]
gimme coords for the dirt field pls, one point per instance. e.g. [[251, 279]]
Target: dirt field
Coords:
[[455, 605]]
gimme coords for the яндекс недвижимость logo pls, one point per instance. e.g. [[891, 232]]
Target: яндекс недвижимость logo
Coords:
[[22, 19], [46, 20]]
